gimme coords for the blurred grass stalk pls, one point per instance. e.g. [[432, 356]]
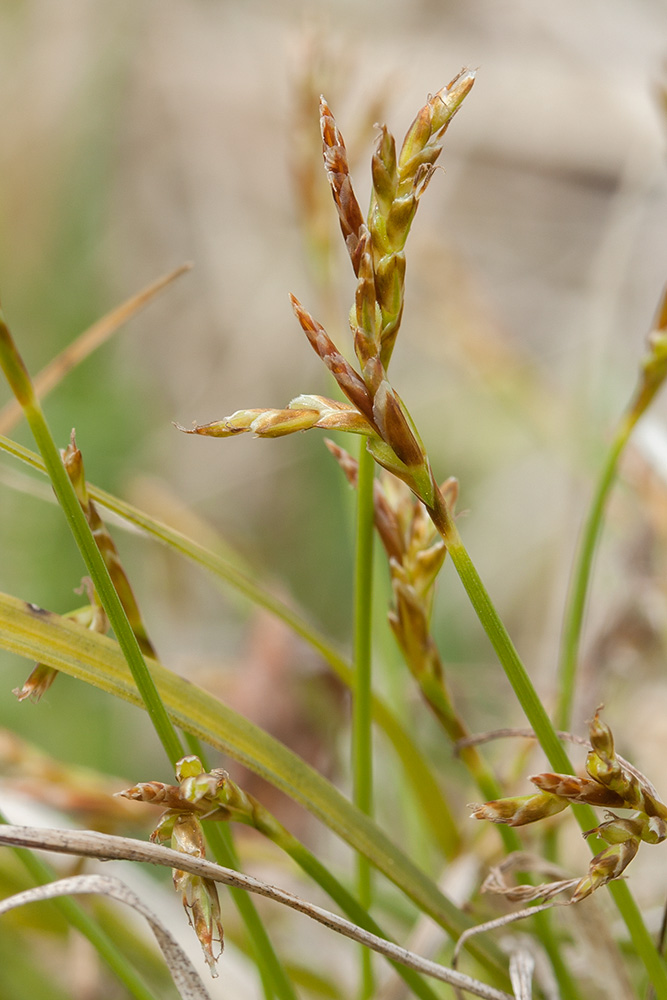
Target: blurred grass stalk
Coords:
[[362, 717], [86, 343], [21, 385], [652, 375]]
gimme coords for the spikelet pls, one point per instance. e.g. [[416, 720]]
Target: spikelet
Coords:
[[376, 252], [338, 174], [199, 895], [91, 616], [520, 809], [301, 414], [578, 789], [398, 184], [653, 369], [611, 782], [416, 554], [605, 866], [186, 804], [73, 462]]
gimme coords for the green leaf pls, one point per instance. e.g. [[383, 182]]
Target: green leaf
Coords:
[[45, 636]]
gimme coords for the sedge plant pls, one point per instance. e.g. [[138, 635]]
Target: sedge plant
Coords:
[[414, 517]]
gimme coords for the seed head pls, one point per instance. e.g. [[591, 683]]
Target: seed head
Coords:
[[338, 174], [578, 789], [520, 809], [605, 866]]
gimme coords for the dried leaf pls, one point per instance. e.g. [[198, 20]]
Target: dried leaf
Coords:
[[184, 974]]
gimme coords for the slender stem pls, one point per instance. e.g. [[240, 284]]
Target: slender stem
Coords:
[[19, 380], [272, 974], [350, 906], [543, 728], [489, 787], [641, 939], [275, 982], [499, 637], [581, 575], [362, 750], [41, 874]]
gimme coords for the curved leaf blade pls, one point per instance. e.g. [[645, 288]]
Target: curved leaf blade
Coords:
[[45, 636]]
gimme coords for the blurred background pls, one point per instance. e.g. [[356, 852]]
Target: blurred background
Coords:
[[141, 134]]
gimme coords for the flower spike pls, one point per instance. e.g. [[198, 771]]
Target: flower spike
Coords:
[[611, 782], [338, 174]]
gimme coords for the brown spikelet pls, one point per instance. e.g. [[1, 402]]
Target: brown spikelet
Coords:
[[156, 793], [38, 683], [605, 866], [338, 174], [350, 382], [578, 789], [390, 417], [348, 464], [520, 809], [92, 616], [73, 462]]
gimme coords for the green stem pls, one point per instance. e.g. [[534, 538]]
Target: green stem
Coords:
[[543, 728], [438, 699], [352, 908], [42, 874], [275, 982], [641, 939], [581, 575], [219, 837], [258, 817], [21, 385], [362, 750], [500, 639]]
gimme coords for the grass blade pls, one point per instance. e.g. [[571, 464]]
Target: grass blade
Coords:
[[96, 659], [86, 343]]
